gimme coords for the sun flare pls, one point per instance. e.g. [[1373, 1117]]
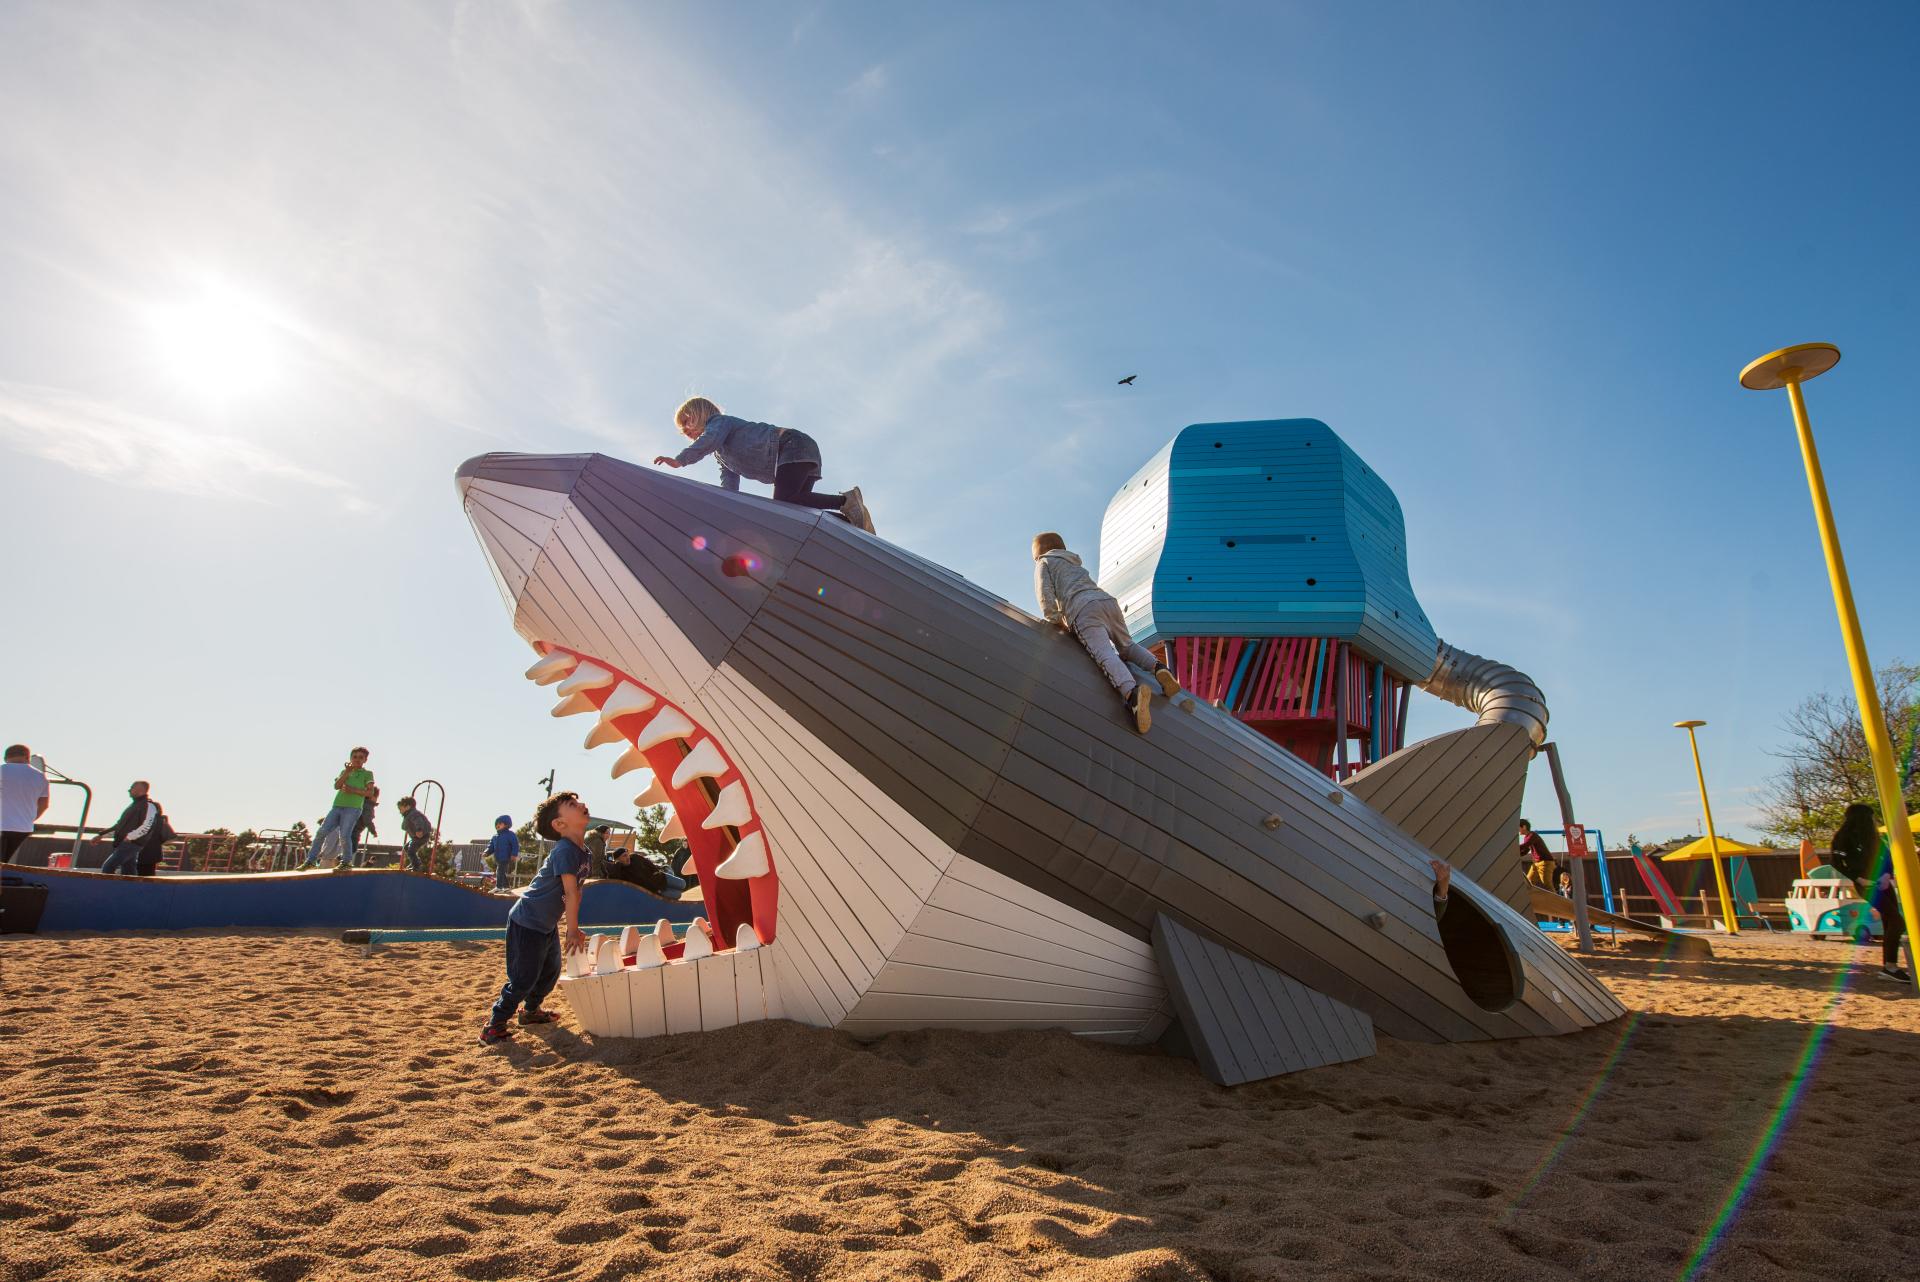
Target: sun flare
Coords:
[[220, 344]]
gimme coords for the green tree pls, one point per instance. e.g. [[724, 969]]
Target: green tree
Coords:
[[532, 849], [1826, 763], [648, 822], [198, 847]]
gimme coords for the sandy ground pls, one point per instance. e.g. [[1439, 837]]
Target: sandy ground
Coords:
[[231, 1106]]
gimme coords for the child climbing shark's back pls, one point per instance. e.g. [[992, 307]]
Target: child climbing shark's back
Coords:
[[1071, 599]]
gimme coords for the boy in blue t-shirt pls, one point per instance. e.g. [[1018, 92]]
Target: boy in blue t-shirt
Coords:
[[533, 950]]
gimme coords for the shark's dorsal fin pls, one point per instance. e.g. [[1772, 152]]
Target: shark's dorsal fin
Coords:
[[1244, 1020], [1458, 795]]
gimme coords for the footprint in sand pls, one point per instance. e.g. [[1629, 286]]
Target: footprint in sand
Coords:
[[284, 1268], [588, 1231], [437, 1244]]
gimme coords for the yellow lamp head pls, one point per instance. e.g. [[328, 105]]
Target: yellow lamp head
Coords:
[[1794, 364], [1687, 725]]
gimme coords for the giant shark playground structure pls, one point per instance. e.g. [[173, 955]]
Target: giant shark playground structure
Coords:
[[912, 804]]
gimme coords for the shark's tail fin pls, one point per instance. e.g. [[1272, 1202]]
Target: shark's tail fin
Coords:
[[1459, 796]]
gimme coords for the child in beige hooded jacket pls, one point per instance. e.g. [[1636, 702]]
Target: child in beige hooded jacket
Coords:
[[1071, 599]]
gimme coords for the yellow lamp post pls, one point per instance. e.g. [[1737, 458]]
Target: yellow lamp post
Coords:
[[1713, 838], [1789, 368]]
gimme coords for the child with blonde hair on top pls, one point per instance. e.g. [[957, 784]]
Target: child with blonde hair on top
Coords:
[[787, 460], [1071, 599]]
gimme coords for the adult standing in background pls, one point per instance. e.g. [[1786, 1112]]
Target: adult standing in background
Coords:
[[350, 789], [23, 799], [1860, 852], [365, 827], [597, 850], [1537, 859], [140, 825]]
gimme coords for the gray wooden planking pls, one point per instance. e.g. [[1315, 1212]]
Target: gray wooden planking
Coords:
[[998, 735], [1246, 1021], [1459, 795]]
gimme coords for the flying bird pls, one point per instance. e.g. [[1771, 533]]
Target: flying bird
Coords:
[[1128, 380]]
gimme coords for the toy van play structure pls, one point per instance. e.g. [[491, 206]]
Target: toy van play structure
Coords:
[[1824, 903], [913, 804]]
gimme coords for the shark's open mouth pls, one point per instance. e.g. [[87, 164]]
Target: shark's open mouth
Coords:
[[692, 772]]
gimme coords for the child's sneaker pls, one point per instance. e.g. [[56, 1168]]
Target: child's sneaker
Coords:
[[1169, 684], [1137, 704], [1895, 974], [537, 1017], [855, 510], [494, 1034]]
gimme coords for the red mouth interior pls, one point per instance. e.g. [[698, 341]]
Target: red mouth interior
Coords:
[[731, 903]]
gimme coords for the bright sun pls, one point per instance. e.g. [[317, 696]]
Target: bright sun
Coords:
[[221, 344]]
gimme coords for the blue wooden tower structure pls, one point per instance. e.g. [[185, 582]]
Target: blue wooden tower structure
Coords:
[[1267, 563]]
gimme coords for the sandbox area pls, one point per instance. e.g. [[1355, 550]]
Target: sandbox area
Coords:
[[189, 1106]]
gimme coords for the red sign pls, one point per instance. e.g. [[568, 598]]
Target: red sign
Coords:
[[1576, 842]]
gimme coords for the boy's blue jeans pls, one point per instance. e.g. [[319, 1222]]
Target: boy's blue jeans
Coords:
[[533, 968], [340, 822]]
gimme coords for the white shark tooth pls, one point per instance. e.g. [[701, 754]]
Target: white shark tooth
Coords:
[[744, 939], [654, 795], [606, 955], [630, 760], [671, 723], [572, 704], [704, 762], [663, 931], [578, 964], [749, 859], [626, 699], [730, 808], [698, 942], [647, 954], [603, 733], [629, 940], [552, 667], [588, 676], [675, 830]]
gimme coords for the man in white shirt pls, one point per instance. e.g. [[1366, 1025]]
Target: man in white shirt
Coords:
[[23, 799]]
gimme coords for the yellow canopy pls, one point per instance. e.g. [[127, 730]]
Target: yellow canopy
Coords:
[[1698, 849]]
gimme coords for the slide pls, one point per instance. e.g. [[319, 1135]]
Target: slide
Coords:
[[1679, 942], [1656, 883]]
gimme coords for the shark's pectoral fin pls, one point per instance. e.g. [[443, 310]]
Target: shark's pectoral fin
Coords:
[[1244, 1020]]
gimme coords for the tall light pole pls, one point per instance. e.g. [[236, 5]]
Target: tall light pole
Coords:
[[1789, 368], [1713, 838]]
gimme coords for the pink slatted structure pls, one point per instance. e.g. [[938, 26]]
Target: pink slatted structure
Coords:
[[1292, 690]]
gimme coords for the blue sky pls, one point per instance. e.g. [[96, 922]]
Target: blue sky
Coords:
[[267, 274]]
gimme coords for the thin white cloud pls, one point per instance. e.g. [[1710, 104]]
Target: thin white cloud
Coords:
[[869, 84], [1551, 619], [885, 331], [115, 444], [1013, 216]]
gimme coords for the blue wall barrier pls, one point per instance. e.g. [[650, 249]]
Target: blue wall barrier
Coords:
[[301, 901]]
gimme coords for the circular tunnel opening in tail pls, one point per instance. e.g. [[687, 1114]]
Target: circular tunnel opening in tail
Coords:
[[1482, 958]]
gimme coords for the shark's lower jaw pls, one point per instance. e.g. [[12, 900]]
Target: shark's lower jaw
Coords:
[[689, 769]]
